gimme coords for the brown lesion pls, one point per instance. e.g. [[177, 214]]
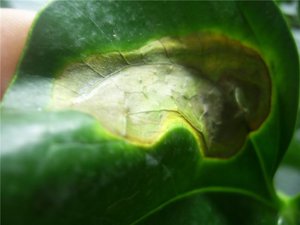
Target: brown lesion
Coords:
[[242, 77], [217, 85]]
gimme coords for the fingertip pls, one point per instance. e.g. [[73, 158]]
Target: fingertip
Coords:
[[15, 25]]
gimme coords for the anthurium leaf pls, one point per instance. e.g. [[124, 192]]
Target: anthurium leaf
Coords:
[[213, 208], [120, 109], [287, 177], [292, 158], [64, 168]]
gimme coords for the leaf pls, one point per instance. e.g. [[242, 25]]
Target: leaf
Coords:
[[215, 208], [4, 3], [287, 177], [70, 161]]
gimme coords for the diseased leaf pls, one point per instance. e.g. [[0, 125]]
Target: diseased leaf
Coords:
[[122, 112]]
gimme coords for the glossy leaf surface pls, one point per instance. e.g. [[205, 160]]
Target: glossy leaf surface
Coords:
[[64, 167]]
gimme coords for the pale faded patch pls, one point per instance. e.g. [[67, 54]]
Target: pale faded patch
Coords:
[[208, 82]]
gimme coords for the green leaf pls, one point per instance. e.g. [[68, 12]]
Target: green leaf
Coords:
[[292, 157], [215, 208], [4, 3], [210, 109], [287, 178]]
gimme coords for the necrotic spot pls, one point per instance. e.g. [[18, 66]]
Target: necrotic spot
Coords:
[[213, 84]]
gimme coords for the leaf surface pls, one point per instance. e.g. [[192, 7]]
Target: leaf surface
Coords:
[[65, 167]]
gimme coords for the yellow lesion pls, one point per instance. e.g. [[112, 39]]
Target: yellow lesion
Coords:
[[208, 83]]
